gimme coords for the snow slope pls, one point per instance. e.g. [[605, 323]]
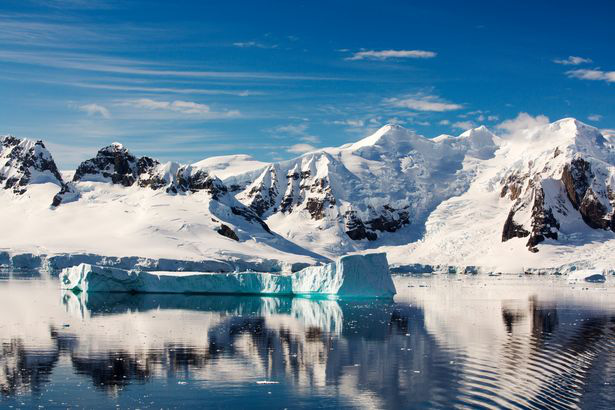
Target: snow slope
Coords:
[[118, 205], [376, 191], [519, 211], [543, 197]]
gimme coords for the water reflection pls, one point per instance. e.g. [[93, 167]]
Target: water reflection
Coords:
[[440, 345]]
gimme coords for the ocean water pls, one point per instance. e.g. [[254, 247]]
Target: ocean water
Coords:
[[443, 342]]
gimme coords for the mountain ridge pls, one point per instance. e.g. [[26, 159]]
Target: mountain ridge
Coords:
[[540, 189]]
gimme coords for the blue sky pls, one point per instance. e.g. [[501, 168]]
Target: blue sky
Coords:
[[187, 80]]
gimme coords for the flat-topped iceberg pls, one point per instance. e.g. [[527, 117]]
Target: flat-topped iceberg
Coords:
[[91, 278], [349, 276]]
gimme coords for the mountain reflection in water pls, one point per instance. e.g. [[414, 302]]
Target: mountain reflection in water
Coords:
[[443, 342]]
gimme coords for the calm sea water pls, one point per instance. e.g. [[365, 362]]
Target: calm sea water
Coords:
[[445, 341]]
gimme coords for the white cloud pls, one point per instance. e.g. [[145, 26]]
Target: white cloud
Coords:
[[594, 117], [492, 118], [179, 106], [596, 75], [355, 123], [386, 54], [300, 148], [444, 122], [253, 44], [295, 129], [95, 109], [522, 123], [421, 102], [463, 125], [572, 60], [298, 131]]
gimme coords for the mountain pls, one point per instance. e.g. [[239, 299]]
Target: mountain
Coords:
[[542, 197], [25, 162], [118, 204], [376, 191]]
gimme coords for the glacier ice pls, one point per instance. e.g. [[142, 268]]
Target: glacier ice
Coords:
[[91, 278], [350, 276]]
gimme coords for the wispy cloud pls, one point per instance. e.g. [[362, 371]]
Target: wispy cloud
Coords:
[[297, 131], [423, 102], [572, 60], [95, 109], [173, 90], [595, 75], [594, 117], [463, 125], [386, 54], [300, 148], [253, 44], [100, 63], [189, 108]]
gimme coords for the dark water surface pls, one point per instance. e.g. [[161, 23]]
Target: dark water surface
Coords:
[[466, 342]]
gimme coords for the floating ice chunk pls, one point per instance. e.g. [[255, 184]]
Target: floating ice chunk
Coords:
[[591, 276], [90, 278], [350, 276]]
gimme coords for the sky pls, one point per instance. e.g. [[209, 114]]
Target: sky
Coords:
[[186, 80]]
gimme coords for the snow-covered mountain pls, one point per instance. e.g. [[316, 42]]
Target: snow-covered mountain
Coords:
[[541, 197], [376, 191], [121, 205]]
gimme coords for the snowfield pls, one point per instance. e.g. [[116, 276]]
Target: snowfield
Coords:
[[540, 199]]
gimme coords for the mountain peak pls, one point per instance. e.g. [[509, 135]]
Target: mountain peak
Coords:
[[387, 134]]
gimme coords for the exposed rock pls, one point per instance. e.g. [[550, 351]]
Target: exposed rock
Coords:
[[147, 170], [24, 162], [356, 229], [544, 224], [225, 230], [576, 178], [512, 186], [512, 229], [114, 163], [68, 193]]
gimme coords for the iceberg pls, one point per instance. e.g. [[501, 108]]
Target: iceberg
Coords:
[[91, 278], [353, 276], [350, 276], [586, 275]]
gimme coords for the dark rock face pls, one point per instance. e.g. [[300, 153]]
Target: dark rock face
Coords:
[[199, 180], [577, 178], [147, 176], [512, 229], [250, 216], [356, 229], [225, 230], [28, 162], [544, 224], [68, 193], [512, 186], [113, 162], [263, 196], [389, 219]]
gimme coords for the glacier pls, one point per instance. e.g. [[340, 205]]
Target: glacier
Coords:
[[351, 276]]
